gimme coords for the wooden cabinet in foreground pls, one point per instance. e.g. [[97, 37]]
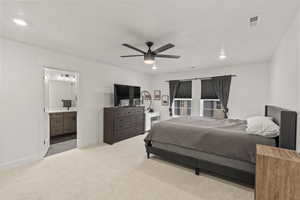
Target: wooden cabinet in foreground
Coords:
[[277, 174]]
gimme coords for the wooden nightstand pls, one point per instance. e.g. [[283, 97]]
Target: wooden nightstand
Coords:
[[277, 174]]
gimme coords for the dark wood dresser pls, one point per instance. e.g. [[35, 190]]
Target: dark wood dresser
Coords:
[[121, 123]]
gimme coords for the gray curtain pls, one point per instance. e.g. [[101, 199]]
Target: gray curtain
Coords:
[[184, 90], [173, 88], [222, 88], [208, 90]]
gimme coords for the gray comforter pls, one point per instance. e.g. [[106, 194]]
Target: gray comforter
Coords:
[[226, 137]]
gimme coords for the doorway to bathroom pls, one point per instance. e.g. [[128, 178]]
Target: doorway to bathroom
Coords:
[[61, 107]]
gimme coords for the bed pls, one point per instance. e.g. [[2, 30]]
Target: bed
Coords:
[[218, 147]]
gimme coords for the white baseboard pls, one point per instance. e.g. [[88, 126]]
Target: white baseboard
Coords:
[[19, 162]]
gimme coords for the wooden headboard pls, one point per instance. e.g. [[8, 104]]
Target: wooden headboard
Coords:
[[287, 120]]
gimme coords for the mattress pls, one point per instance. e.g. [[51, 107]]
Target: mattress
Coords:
[[226, 138]]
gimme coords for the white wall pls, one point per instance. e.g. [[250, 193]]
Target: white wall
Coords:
[[285, 71], [21, 97], [249, 90]]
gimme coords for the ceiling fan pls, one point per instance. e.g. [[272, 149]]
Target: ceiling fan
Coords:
[[149, 56]]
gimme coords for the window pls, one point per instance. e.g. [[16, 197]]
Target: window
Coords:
[[211, 108], [182, 107], [210, 105], [182, 103]]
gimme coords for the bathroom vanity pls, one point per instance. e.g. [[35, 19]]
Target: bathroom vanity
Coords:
[[62, 122]]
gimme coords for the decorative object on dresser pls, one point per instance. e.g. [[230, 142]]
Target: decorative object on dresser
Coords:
[[146, 99], [165, 100], [157, 94], [121, 123], [277, 174], [62, 123]]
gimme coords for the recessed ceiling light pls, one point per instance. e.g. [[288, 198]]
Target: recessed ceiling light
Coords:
[[20, 22], [154, 67], [222, 55]]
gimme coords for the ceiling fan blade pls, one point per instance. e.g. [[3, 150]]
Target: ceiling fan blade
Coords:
[[134, 48], [131, 56], [166, 56], [164, 48]]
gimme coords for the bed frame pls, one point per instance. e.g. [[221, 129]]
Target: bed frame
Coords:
[[287, 120]]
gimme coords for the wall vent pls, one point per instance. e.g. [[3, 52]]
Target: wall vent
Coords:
[[253, 21]]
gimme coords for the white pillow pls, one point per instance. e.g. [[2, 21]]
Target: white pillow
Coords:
[[263, 126]]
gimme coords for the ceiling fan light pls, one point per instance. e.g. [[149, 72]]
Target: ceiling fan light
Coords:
[[149, 62], [149, 59], [149, 56], [222, 55], [154, 67]]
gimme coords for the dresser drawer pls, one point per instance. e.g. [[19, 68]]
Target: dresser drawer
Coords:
[[139, 118], [124, 112], [124, 122], [129, 111], [125, 133], [139, 111]]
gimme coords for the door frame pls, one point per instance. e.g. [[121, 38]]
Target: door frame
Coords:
[[45, 135]]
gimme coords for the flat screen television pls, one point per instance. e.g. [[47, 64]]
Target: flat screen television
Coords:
[[126, 95]]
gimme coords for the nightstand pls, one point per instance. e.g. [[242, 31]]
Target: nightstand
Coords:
[[277, 174], [150, 119]]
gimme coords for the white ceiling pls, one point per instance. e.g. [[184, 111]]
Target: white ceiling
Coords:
[[96, 29]]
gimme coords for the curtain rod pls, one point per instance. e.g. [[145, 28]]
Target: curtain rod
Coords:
[[202, 78]]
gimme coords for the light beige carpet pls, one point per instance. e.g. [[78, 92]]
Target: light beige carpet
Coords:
[[118, 172]]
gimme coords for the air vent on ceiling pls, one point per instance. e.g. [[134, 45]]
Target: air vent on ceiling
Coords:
[[253, 21]]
